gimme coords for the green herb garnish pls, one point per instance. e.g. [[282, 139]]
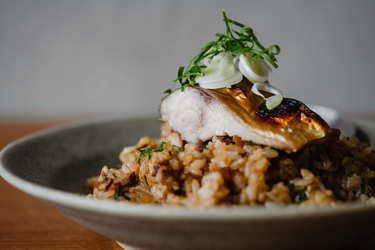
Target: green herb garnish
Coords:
[[241, 40], [147, 151], [177, 147], [116, 195], [119, 166], [168, 91], [114, 175]]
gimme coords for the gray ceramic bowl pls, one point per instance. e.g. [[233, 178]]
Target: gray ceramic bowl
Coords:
[[53, 166]]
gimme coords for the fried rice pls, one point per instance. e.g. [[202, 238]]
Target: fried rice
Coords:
[[229, 171]]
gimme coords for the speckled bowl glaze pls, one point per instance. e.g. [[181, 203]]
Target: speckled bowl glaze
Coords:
[[54, 164]]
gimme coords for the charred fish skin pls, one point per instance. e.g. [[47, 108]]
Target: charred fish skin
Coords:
[[287, 110], [291, 109]]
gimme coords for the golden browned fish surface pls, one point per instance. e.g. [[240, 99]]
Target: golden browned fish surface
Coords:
[[199, 114]]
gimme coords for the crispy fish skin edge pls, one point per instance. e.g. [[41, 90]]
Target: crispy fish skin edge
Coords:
[[301, 109]]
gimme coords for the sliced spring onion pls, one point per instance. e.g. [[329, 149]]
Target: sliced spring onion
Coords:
[[220, 72], [264, 87], [273, 101], [254, 70], [225, 70]]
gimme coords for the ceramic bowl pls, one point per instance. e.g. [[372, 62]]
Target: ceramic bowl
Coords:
[[53, 166]]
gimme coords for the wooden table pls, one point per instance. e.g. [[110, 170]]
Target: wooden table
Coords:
[[27, 223]]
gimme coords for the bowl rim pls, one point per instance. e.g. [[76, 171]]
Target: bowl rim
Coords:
[[126, 209]]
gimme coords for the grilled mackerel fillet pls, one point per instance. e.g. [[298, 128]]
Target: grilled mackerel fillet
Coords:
[[199, 114]]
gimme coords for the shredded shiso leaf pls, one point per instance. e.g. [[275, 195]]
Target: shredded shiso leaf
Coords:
[[241, 40]]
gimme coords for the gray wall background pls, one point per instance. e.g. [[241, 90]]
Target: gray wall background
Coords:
[[63, 58]]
